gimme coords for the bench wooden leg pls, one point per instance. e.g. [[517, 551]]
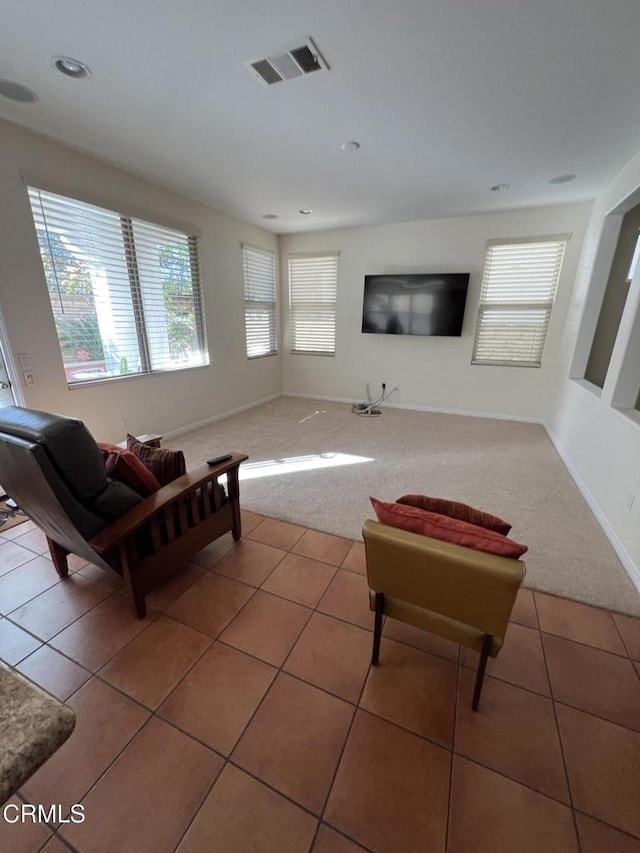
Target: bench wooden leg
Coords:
[[131, 581], [59, 557], [487, 642], [234, 498], [377, 628]]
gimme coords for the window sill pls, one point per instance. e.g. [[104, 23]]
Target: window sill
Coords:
[[592, 389], [323, 354], [527, 365], [632, 415], [92, 383]]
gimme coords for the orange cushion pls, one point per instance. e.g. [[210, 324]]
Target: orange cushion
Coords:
[[454, 509], [122, 465], [448, 529]]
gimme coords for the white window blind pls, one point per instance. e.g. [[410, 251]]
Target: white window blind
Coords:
[[260, 306], [313, 281], [125, 294], [518, 289]]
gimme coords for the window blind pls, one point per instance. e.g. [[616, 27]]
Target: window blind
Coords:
[[313, 283], [518, 290], [260, 305], [125, 293]]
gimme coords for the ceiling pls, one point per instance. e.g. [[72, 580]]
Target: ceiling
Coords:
[[446, 98]]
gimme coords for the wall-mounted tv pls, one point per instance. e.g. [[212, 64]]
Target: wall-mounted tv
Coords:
[[414, 304]]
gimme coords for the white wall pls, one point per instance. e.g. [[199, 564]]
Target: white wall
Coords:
[[601, 444], [147, 404], [433, 372]]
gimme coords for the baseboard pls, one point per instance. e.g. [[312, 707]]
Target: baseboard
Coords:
[[174, 433], [415, 408], [625, 558], [318, 397], [465, 413]]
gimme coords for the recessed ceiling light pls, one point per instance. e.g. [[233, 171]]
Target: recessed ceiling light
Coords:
[[305, 211], [562, 179], [497, 188], [269, 215], [72, 67], [17, 92], [350, 145]]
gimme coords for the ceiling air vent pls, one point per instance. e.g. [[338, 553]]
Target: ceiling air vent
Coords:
[[295, 62]]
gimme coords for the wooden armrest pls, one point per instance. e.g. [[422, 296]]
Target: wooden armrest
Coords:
[[123, 527]]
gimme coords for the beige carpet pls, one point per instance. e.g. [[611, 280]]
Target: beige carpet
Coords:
[[315, 463]]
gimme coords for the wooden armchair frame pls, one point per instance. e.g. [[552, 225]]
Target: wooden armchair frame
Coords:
[[52, 467], [175, 523]]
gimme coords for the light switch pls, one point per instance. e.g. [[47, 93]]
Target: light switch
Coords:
[[25, 361], [29, 377]]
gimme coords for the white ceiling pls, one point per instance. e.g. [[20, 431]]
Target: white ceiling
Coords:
[[446, 97]]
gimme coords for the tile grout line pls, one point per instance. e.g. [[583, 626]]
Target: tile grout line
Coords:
[[260, 780], [61, 840], [341, 755], [356, 707], [197, 811], [110, 764], [54, 829], [559, 733], [293, 600], [281, 670], [619, 829], [159, 614], [73, 621], [153, 712], [66, 654], [447, 826], [586, 645], [622, 640], [228, 759], [597, 717], [29, 600]]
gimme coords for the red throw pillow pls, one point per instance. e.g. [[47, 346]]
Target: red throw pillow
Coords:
[[166, 465], [445, 528], [122, 465], [461, 511]]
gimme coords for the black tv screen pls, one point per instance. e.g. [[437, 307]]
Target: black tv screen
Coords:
[[414, 304]]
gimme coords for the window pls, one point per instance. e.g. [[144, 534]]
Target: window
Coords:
[[518, 289], [634, 260], [260, 317], [614, 300], [125, 294], [312, 303]]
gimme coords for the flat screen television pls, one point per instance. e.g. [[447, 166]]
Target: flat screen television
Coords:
[[414, 304]]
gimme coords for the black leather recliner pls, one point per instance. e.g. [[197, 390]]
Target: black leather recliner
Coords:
[[53, 468]]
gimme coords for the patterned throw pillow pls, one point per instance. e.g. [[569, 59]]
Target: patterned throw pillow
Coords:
[[447, 529], [454, 509], [165, 465], [124, 466]]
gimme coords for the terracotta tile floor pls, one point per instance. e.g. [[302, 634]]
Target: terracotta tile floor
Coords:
[[242, 713]]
